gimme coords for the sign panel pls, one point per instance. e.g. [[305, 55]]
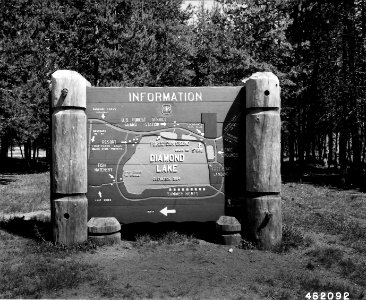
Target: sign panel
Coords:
[[165, 154]]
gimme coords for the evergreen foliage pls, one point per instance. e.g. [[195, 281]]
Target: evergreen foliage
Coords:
[[316, 48]]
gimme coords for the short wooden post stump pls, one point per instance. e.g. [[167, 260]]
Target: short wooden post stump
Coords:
[[104, 230], [229, 230]]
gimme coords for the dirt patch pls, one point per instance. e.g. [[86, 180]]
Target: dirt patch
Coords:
[[194, 270]]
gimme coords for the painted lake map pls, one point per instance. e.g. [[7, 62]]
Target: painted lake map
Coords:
[[162, 154]]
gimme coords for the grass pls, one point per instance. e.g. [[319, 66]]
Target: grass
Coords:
[[30, 265], [37, 276], [24, 192], [165, 239], [296, 285], [33, 269], [325, 227], [327, 256], [355, 270], [349, 267], [327, 211], [292, 238], [323, 250], [339, 224]]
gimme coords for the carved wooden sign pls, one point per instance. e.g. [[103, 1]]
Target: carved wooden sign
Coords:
[[165, 154]]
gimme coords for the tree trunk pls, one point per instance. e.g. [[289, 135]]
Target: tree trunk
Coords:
[[20, 148], [330, 148], [282, 149], [343, 137], [28, 150], [349, 80], [354, 120], [356, 151], [4, 147], [300, 139], [363, 68], [291, 148], [336, 158], [34, 150]]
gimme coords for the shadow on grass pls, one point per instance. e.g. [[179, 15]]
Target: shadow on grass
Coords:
[[6, 180], [40, 230], [196, 230], [319, 175], [33, 229], [15, 166]]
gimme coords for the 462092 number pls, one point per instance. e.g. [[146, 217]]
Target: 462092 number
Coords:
[[327, 296]]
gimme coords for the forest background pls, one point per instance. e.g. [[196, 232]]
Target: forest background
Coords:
[[316, 48]]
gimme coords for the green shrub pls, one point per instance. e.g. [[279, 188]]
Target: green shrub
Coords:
[[292, 238]]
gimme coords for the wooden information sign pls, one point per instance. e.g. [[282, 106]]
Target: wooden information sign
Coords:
[[165, 154]]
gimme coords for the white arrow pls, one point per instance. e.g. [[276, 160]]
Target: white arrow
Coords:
[[103, 116], [199, 131], [220, 152], [100, 194], [163, 124], [93, 138], [111, 176], [165, 211]]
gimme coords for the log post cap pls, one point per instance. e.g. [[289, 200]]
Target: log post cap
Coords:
[[262, 90], [228, 224], [68, 89], [103, 225]]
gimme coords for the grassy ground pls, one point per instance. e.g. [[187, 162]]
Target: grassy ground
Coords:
[[24, 193], [323, 250]]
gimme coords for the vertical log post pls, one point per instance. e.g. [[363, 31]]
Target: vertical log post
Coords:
[[263, 159], [69, 158]]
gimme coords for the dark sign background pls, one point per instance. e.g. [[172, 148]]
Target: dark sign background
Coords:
[[165, 154]]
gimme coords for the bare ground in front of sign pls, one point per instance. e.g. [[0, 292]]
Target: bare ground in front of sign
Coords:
[[323, 251]]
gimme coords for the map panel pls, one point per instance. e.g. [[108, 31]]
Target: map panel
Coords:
[[164, 154]]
